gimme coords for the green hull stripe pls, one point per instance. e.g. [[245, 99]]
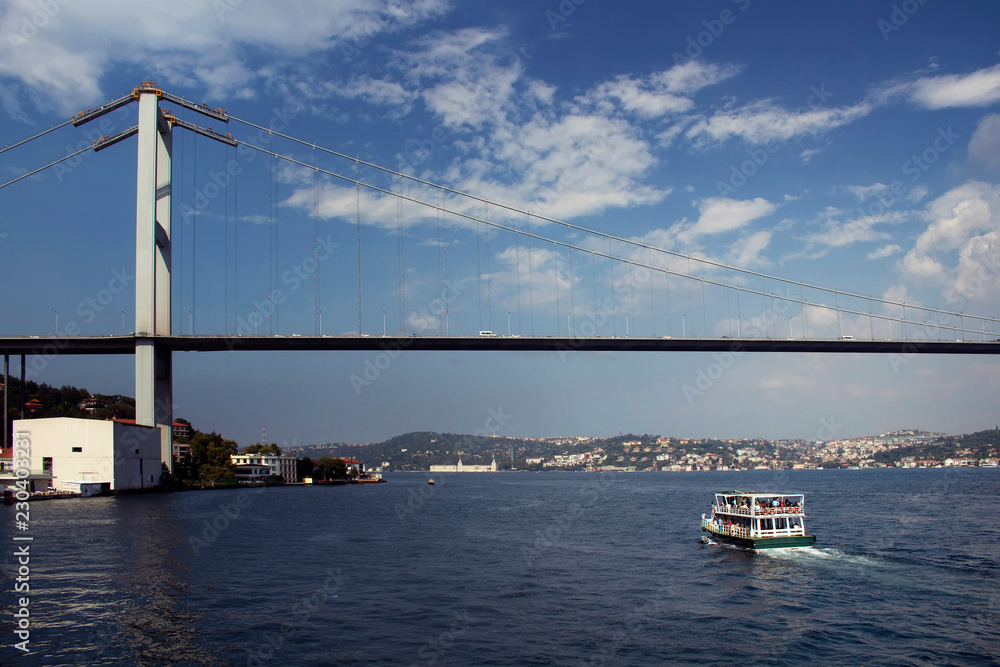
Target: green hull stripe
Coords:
[[766, 542]]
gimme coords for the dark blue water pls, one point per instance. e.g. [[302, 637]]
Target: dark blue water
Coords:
[[516, 569]]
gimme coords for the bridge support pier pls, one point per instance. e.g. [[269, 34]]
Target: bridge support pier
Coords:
[[153, 362], [6, 381]]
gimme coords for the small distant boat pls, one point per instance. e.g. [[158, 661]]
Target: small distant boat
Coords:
[[430, 481], [753, 520]]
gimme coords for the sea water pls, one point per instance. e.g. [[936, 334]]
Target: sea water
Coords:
[[514, 569]]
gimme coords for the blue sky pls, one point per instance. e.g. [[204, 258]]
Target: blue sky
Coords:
[[848, 145]]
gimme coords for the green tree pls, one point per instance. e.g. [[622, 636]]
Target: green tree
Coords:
[[336, 468], [211, 456], [167, 480], [267, 450], [305, 467]]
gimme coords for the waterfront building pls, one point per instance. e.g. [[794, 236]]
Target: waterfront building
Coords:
[[460, 467], [253, 473], [67, 453], [354, 467], [181, 430], [92, 404], [180, 449], [283, 466]]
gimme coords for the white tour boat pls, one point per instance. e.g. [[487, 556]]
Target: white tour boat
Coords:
[[755, 520]]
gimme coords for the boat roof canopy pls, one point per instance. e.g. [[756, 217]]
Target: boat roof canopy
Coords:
[[756, 494]]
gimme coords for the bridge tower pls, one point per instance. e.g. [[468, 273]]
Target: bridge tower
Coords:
[[153, 359], [153, 362]]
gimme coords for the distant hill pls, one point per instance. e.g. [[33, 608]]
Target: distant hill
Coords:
[[66, 401], [978, 445], [421, 449]]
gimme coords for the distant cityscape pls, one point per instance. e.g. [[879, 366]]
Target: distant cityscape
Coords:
[[192, 457], [909, 448]]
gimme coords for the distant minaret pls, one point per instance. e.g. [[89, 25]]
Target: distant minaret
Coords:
[[263, 434], [494, 466]]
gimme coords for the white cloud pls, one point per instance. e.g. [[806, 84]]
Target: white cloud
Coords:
[[549, 276], [667, 136], [975, 89], [376, 91], [807, 155], [863, 192], [638, 97], [576, 164], [517, 145], [958, 250], [662, 93], [984, 146], [885, 251], [692, 76], [838, 232], [467, 78], [917, 193], [186, 42], [762, 121], [748, 251], [958, 215], [521, 149], [719, 214]]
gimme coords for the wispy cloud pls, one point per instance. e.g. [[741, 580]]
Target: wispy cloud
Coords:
[[184, 42], [839, 229], [719, 214], [762, 121], [884, 251], [667, 92], [863, 192]]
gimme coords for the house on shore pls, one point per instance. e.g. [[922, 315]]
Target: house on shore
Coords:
[[86, 454], [461, 467], [283, 466]]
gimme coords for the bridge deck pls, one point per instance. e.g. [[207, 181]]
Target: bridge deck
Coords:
[[126, 344]]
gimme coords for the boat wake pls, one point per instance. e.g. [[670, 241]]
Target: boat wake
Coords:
[[823, 555]]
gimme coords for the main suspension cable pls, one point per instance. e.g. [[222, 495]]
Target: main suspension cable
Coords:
[[40, 134], [586, 230], [788, 298], [51, 164]]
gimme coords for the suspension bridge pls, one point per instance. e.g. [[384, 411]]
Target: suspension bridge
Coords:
[[402, 245]]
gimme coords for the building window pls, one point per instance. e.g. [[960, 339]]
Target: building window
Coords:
[[78, 449], [47, 464]]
